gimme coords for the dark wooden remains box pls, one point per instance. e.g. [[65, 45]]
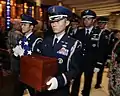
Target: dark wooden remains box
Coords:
[[36, 70]]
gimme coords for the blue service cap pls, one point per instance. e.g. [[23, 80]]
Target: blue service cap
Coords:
[[28, 19], [102, 19], [88, 14], [57, 13]]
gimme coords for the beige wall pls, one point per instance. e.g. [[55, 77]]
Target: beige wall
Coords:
[[114, 21]]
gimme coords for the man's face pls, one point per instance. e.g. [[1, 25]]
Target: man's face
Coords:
[[74, 24], [101, 25], [26, 27], [59, 26], [88, 22]]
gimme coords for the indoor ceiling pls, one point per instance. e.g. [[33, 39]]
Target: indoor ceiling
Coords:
[[101, 7]]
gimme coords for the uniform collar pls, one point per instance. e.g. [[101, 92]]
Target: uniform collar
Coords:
[[58, 37], [90, 29], [28, 34]]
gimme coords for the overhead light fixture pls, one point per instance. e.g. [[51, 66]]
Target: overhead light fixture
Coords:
[[73, 10], [117, 14], [60, 3]]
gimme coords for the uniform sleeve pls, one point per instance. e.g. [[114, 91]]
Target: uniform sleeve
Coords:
[[37, 45], [73, 66], [102, 51]]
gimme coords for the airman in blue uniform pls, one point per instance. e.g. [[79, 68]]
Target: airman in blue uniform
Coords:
[[74, 26], [103, 47], [28, 44], [89, 36], [64, 48]]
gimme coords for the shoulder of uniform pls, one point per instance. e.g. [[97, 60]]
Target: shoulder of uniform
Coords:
[[79, 44], [39, 40], [81, 29], [71, 38], [96, 30]]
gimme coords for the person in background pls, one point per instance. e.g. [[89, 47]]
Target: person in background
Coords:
[[27, 45], [38, 29], [89, 38], [103, 47], [14, 35], [114, 71], [113, 38], [74, 28], [65, 49]]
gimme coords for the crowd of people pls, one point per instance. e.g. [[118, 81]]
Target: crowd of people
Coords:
[[79, 49]]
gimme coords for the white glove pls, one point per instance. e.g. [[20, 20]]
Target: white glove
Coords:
[[20, 51], [53, 84], [15, 51], [96, 69]]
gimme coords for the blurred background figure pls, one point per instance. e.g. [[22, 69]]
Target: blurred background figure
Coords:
[[14, 35], [102, 47], [47, 29], [38, 30], [114, 72], [74, 27], [113, 37]]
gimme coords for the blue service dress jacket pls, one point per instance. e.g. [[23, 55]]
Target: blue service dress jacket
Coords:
[[67, 52]]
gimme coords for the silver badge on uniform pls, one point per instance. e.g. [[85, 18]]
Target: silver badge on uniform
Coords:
[[38, 50], [60, 60], [106, 37], [29, 39], [94, 45], [95, 37]]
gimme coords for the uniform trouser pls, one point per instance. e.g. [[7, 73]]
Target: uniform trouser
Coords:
[[63, 91], [88, 74], [99, 76], [19, 86], [22, 87]]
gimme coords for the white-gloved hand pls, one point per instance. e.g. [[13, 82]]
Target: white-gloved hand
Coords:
[[15, 51], [96, 69], [53, 84], [20, 51]]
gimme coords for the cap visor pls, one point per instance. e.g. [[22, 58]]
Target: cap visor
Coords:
[[26, 22]]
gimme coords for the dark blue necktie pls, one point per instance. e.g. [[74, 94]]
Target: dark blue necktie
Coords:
[[87, 33], [55, 42]]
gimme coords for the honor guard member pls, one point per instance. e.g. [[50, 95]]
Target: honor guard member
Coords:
[[89, 38], [28, 44], [64, 48], [102, 47], [74, 27]]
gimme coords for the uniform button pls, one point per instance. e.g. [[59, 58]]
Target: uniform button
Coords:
[[84, 49], [83, 54]]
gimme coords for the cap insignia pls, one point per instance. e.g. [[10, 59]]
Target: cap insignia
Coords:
[[53, 9]]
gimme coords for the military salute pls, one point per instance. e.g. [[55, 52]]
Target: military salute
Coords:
[[28, 44], [89, 38], [64, 48]]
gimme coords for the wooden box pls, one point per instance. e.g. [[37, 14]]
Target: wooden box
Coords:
[[35, 70]]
